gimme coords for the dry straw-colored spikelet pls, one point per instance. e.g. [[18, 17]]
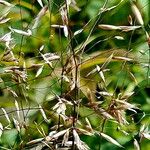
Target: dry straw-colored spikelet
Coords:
[[137, 14], [110, 139], [40, 2], [5, 3], [39, 16], [122, 28]]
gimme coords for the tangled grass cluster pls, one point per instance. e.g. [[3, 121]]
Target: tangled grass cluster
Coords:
[[74, 74]]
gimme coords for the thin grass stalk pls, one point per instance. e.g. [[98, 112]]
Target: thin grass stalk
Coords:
[[92, 28], [76, 78]]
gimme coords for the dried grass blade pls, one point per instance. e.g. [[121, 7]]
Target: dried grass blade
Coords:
[[104, 93], [57, 26], [41, 48], [109, 27], [65, 138], [9, 57], [74, 5], [39, 16], [110, 139], [50, 56], [5, 3], [25, 33], [57, 135], [91, 72], [105, 114], [78, 32], [100, 73], [7, 39], [129, 28], [123, 28], [85, 132], [40, 2], [133, 78], [126, 95], [12, 92], [146, 135], [119, 37], [17, 108], [137, 14], [126, 104], [108, 60], [16, 123], [4, 20], [88, 123], [1, 130], [64, 16], [110, 8], [68, 2], [66, 33], [136, 145], [122, 58], [130, 20], [35, 141], [77, 139], [43, 114], [6, 115], [39, 71]]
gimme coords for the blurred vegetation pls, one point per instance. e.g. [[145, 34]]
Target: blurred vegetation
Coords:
[[75, 74]]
